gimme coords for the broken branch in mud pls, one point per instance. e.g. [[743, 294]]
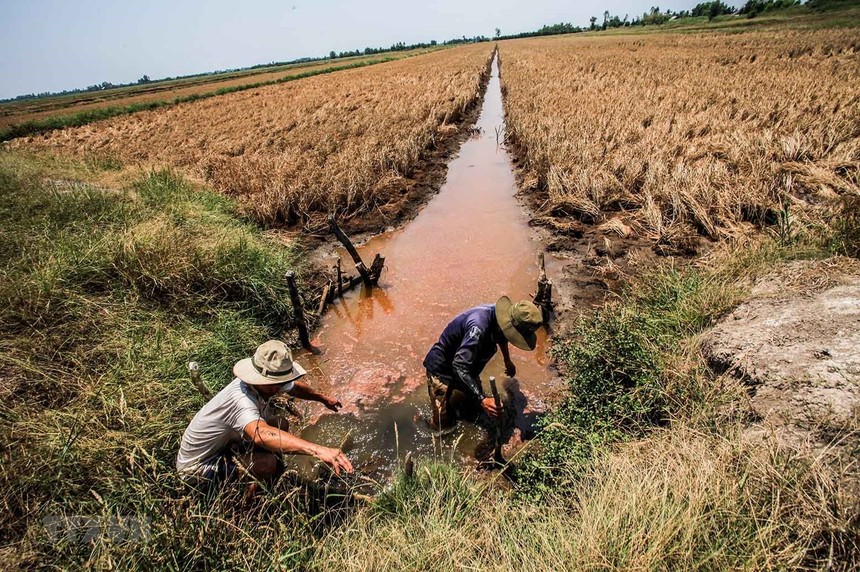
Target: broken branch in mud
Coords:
[[342, 283], [350, 248]]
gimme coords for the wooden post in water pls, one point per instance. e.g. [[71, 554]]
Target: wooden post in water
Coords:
[[339, 279], [347, 244], [497, 451], [376, 268], [298, 311], [543, 296]]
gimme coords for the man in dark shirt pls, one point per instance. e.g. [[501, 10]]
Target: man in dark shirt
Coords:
[[466, 345]]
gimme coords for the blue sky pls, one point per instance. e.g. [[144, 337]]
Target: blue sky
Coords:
[[50, 45]]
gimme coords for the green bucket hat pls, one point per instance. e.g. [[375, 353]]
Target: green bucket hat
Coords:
[[519, 322]]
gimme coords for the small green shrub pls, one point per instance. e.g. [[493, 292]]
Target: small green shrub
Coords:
[[846, 229]]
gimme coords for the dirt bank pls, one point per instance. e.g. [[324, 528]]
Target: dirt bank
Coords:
[[796, 345]]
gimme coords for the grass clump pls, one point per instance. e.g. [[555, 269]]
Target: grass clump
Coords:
[[616, 363], [683, 499], [105, 296]]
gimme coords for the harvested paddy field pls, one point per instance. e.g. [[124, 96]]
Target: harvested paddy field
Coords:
[[676, 138], [346, 143], [16, 112]]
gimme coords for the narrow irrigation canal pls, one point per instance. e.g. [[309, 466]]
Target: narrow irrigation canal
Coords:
[[469, 245]]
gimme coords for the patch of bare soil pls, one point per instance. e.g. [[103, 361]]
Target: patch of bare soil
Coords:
[[796, 345]]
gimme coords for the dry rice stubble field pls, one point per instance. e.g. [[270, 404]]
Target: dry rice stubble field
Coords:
[[681, 137], [344, 143], [166, 90]]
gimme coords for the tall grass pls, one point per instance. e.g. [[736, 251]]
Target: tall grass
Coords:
[[684, 499], [105, 296]]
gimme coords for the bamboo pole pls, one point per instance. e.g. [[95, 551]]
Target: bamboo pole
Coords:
[[194, 370], [298, 311]]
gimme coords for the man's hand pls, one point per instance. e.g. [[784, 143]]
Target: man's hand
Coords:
[[489, 406], [510, 368], [334, 458], [333, 404]]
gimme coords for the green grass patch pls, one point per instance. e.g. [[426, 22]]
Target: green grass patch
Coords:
[[634, 365], [105, 296]]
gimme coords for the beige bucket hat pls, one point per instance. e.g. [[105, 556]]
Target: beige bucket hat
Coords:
[[519, 322], [272, 364]]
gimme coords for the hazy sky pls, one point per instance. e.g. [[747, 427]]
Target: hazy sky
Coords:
[[50, 45]]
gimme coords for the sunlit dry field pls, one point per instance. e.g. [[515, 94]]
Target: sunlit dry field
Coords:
[[344, 142], [681, 136], [35, 109]]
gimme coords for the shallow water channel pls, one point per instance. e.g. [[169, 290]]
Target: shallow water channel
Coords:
[[471, 244]]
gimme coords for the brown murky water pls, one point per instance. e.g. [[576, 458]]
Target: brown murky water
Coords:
[[468, 246]]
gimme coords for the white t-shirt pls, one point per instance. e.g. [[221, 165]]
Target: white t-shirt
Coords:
[[218, 424]]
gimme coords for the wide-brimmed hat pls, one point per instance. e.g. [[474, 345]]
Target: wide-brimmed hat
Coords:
[[272, 364], [519, 322]]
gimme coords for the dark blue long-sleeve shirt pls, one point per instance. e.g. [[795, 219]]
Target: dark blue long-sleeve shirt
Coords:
[[464, 348]]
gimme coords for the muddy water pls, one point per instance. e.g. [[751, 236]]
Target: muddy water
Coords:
[[468, 246]]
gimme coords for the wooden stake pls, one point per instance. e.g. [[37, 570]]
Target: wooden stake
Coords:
[[323, 299], [543, 296], [298, 311], [409, 465], [497, 452], [194, 369], [347, 244], [339, 279], [376, 268]]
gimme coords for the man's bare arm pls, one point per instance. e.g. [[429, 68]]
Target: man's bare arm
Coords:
[[304, 391], [274, 439]]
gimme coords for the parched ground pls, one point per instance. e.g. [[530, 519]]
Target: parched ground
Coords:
[[796, 343]]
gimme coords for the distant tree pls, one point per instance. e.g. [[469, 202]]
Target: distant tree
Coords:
[[755, 7], [498, 32], [332, 54], [605, 19], [711, 9], [144, 79], [654, 16], [593, 21]]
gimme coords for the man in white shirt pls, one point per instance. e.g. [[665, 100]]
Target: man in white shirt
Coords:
[[234, 425]]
